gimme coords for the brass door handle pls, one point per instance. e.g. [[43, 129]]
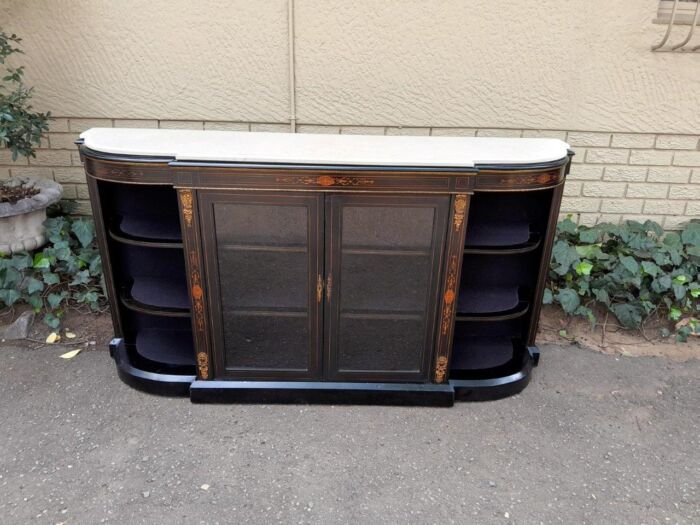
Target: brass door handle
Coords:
[[319, 288], [329, 287]]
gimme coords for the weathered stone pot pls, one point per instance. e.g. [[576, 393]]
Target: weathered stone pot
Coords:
[[22, 223]]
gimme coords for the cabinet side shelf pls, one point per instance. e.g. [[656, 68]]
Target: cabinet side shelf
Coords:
[[124, 239], [534, 243], [519, 311], [137, 306]]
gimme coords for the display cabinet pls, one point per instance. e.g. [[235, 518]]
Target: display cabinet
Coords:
[[256, 267]]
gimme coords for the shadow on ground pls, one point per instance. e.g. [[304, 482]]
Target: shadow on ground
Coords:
[[593, 439]]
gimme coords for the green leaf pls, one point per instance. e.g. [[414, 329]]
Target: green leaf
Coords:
[[629, 315], [661, 284], [567, 226], [588, 250], [547, 297], [680, 279], [55, 299], [584, 311], [650, 268], [568, 299], [630, 263], [9, 297], [41, 261], [584, 268], [81, 277], [601, 295], [691, 234], [693, 250], [675, 313], [21, 261], [673, 240], [50, 278], [679, 291], [564, 255], [588, 236], [34, 285], [35, 301], [52, 320], [84, 230]]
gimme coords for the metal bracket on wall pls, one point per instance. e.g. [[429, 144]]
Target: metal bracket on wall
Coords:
[[675, 19]]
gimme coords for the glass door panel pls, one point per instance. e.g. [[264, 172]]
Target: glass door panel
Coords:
[[382, 264], [263, 263]]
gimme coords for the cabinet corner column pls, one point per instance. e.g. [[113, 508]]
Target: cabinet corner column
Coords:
[[450, 287], [189, 220]]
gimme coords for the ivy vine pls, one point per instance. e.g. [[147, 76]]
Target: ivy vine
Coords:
[[66, 273], [633, 270]]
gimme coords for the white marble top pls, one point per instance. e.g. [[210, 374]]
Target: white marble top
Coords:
[[304, 148]]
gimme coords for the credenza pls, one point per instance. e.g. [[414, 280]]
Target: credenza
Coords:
[[279, 267]]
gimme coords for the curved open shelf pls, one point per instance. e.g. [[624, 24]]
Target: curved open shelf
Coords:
[[157, 296], [491, 303], [521, 309], [484, 357], [503, 238], [166, 349], [150, 227], [119, 236]]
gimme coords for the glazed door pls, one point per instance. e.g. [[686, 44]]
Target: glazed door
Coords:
[[383, 256], [264, 271]]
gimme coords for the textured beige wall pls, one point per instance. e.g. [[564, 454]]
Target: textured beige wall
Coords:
[[155, 59], [579, 64], [579, 70]]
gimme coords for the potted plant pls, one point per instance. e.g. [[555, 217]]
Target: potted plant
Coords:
[[23, 201]]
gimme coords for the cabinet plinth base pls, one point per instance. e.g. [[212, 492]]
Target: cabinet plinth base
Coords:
[[320, 392], [498, 387], [407, 394], [151, 382]]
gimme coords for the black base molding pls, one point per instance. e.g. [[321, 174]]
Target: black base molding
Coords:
[[498, 387], [151, 382], [407, 394], [320, 392]]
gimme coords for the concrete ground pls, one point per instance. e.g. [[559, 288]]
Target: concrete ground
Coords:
[[593, 439]]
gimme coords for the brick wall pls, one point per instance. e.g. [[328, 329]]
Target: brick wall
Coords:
[[615, 176]]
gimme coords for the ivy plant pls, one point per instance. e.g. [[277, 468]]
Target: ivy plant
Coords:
[[67, 272], [633, 270], [21, 128]]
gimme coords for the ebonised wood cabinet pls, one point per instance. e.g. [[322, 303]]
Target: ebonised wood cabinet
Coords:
[[361, 270]]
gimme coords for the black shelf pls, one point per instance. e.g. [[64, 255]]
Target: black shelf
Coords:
[[157, 296], [166, 348], [488, 301], [484, 357], [150, 227], [479, 353], [497, 234], [121, 237]]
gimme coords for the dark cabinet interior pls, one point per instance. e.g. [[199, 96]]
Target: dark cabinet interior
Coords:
[[150, 300], [499, 280]]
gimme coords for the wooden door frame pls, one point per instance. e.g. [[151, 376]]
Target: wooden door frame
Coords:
[[314, 204], [333, 243]]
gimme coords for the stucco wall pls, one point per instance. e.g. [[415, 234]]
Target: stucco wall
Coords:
[[581, 70], [580, 64]]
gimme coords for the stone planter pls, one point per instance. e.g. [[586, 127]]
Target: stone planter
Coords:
[[22, 223]]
